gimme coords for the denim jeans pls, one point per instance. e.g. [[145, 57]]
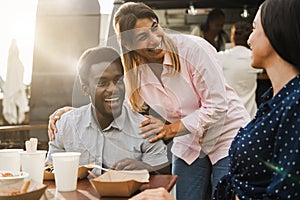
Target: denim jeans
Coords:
[[198, 180]]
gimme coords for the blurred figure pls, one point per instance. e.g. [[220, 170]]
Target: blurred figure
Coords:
[[15, 102], [236, 64], [265, 155], [212, 29]]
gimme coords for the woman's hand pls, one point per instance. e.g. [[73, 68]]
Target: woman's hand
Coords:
[[53, 118], [153, 194], [154, 126]]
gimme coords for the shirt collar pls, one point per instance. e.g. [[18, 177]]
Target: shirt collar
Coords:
[[119, 122], [271, 101], [90, 120]]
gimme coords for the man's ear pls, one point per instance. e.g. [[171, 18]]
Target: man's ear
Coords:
[[85, 90]]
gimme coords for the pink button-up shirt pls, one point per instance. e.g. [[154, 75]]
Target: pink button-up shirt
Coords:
[[198, 96]]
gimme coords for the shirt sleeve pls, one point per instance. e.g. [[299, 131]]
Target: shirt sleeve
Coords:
[[155, 153], [209, 83], [57, 144]]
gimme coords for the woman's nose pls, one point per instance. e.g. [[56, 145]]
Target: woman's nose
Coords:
[[155, 40]]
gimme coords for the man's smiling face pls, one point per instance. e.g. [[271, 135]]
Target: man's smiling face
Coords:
[[107, 89]]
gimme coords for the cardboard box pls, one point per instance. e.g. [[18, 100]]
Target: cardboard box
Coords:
[[12, 191], [82, 173], [120, 183]]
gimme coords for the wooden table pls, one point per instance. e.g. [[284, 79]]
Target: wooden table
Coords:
[[86, 191]]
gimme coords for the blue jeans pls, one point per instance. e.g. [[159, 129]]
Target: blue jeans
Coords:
[[198, 180]]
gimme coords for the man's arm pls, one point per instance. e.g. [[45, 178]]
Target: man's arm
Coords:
[[132, 164]]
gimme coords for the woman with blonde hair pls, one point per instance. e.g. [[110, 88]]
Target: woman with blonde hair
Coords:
[[179, 77]]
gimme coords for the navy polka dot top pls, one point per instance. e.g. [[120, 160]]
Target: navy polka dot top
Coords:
[[265, 157]]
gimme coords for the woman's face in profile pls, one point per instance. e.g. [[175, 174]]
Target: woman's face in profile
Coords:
[[259, 44]]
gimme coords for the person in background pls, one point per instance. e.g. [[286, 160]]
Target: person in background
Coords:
[[212, 29], [106, 131], [265, 155], [236, 64], [180, 78]]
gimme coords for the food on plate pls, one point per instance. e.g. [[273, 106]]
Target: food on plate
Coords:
[[10, 174], [6, 174], [49, 171], [49, 167], [11, 177], [15, 190], [22, 190]]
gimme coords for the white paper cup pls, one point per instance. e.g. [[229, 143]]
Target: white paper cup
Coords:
[[10, 159], [66, 170], [33, 163]]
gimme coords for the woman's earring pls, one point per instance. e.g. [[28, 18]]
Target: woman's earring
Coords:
[[248, 43]]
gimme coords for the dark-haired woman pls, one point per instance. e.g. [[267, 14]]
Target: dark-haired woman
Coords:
[[212, 30], [265, 155]]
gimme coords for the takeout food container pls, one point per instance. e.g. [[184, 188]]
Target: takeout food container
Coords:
[[115, 183], [10, 192], [11, 177], [82, 173]]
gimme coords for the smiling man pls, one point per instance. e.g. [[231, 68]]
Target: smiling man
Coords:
[[106, 131]]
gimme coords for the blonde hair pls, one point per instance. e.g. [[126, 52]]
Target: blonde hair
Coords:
[[125, 20]]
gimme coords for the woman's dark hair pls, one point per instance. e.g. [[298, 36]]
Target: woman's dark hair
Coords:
[[242, 31], [212, 15], [281, 23]]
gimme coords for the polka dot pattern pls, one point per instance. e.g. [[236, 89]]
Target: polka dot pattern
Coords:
[[265, 157]]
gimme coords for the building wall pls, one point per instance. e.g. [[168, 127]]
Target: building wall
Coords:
[[64, 30]]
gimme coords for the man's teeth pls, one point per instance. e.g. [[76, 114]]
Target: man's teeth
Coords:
[[112, 99]]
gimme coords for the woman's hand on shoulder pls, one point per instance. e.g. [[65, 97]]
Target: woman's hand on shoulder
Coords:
[[151, 126], [154, 126], [56, 115]]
